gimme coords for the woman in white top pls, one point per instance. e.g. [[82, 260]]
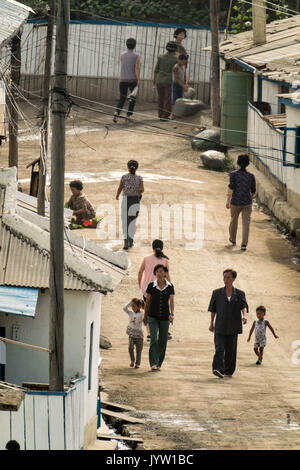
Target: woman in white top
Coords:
[[145, 275]]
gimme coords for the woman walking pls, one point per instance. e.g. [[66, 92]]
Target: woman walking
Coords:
[[146, 275], [132, 186], [241, 190], [129, 78], [159, 313]]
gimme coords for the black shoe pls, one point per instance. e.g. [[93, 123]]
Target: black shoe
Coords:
[[232, 242], [170, 336], [149, 338], [218, 374], [244, 247], [115, 118], [258, 362]]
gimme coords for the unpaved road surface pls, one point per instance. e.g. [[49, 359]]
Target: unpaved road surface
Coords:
[[186, 407]]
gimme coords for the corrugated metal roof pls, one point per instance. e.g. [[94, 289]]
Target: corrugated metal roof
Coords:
[[277, 58], [12, 15], [23, 264]]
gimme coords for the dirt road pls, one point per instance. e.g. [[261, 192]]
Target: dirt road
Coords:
[[185, 405]]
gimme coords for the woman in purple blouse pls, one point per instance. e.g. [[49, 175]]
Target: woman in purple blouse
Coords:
[[241, 190]]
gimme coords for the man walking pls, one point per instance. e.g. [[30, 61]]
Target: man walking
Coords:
[[229, 306]]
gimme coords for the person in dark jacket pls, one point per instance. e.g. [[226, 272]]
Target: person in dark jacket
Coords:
[[241, 190], [229, 306], [163, 80]]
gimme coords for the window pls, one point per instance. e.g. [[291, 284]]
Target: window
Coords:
[[91, 356]]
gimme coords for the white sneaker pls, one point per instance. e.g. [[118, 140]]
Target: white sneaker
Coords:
[[218, 374]]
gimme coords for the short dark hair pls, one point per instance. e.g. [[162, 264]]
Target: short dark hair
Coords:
[[261, 308], [232, 271], [243, 160], [159, 266], [12, 445], [171, 46], [182, 57], [178, 31], [76, 184], [131, 43]]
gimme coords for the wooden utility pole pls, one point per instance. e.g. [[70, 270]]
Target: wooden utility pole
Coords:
[[228, 20], [45, 113], [259, 21], [59, 113], [215, 62], [13, 126]]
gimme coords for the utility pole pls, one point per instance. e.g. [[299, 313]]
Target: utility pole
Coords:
[[59, 113], [13, 126], [215, 62], [45, 112]]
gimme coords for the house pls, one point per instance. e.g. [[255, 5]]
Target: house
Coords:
[[49, 420], [259, 110]]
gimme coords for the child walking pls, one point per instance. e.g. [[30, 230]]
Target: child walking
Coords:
[[135, 330], [260, 325], [179, 81]]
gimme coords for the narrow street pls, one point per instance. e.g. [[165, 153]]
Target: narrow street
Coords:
[[185, 406]]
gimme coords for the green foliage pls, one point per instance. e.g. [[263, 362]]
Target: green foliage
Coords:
[[164, 11], [241, 19]]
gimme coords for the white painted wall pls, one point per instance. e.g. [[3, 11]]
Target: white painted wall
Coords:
[[293, 174], [94, 49], [28, 365], [269, 92], [93, 315]]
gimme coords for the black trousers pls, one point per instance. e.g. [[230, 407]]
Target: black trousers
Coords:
[[225, 355], [130, 211], [124, 86]]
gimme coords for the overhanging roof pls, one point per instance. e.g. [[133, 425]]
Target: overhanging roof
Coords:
[[18, 300], [25, 249], [12, 16], [278, 58]]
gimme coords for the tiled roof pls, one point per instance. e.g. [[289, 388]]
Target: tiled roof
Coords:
[[278, 58]]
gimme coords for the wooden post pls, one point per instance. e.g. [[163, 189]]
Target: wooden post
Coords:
[[228, 20], [259, 21], [59, 112], [215, 62], [13, 127], [45, 114]]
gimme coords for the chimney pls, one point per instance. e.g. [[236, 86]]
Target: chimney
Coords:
[[259, 21]]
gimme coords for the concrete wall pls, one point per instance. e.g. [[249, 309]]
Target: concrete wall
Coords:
[[293, 174]]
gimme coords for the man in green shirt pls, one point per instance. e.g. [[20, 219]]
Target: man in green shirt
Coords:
[[163, 80]]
